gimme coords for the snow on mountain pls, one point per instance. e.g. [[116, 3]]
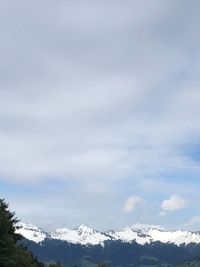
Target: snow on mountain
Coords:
[[177, 237], [157, 233], [84, 235], [129, 235], [154, 233], [31, 232], [146, 227]]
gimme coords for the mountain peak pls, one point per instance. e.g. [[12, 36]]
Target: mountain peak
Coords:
[[83, 229], [31, 232]]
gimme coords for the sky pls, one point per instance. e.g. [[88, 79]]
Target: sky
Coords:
[[99, 112]]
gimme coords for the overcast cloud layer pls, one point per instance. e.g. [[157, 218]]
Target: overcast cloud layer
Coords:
[[99, 107]]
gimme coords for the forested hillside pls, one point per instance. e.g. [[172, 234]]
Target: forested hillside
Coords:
[[193, 263]]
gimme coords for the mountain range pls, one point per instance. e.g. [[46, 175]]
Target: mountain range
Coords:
[[84, 235], [138, 245]]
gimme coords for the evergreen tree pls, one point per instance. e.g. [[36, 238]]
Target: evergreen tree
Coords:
[[12, 254], [8, 238]]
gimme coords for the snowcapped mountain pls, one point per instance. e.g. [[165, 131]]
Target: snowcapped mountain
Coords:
[[177, 237], [32, 232], [82, 235], [141, 234], [129, 235]]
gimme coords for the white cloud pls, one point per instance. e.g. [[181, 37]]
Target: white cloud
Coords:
[[195, 219], [132, 203], [175, 202], [162, 213], [193, 223]]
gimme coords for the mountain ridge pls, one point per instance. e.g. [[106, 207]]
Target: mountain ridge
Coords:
[[84, 235]]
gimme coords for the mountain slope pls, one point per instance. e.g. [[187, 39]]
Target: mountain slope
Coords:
[[32, 232], [82, 235]]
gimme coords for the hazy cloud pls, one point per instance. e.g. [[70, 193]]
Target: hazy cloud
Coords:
[[173, 203], [195, 219], [132, 203]]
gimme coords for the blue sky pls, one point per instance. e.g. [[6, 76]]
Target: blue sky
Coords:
[[99, 112]]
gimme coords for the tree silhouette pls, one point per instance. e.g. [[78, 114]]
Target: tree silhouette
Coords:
[[12, 254]]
